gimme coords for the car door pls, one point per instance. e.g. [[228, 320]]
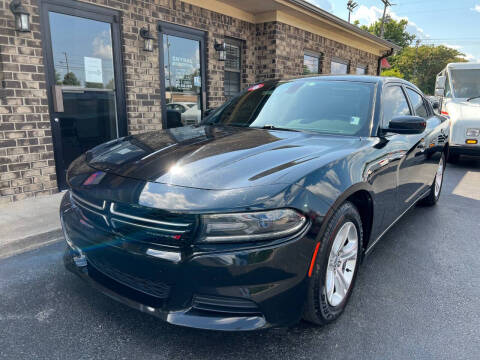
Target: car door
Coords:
[[406, 151], [435, 134]]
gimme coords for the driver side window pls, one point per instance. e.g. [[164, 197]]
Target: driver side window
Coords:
[[394, 104]]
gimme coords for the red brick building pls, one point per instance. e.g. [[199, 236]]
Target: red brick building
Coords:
[[81, 75]]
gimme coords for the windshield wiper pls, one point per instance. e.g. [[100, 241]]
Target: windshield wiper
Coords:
[[473, 97], [273, 127]]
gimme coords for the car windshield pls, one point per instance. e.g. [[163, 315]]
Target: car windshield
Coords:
[[465, 82], [334, 107]]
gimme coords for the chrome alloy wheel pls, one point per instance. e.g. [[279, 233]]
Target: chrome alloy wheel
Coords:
[[341, 265], [439, 178]]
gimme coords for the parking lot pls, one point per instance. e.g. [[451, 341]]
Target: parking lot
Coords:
[[417, 296]]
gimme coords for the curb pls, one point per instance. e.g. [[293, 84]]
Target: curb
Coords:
[[30, 243]]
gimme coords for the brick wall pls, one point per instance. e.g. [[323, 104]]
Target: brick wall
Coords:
[[287, 43], [27, 166], [26, 152]]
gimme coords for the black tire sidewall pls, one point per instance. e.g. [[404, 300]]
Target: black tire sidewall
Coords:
[[327, 313]]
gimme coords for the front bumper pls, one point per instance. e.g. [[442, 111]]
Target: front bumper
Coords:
[[472, 150], [245, 288], [184, 318]]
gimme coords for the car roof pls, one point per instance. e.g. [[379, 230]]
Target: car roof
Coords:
[[464, 65], [357, 78]]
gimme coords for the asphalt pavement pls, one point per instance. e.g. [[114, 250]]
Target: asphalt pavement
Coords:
[[417, 297]]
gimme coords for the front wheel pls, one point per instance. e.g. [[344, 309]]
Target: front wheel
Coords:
[[335, 267], [453, 158], [436, 187]]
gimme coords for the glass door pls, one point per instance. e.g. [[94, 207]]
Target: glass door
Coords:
[[182, 75], [83, 82]]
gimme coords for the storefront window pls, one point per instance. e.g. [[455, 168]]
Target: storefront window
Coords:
[[339, 66], [312, 63], [182, 80], [361, 70], [232, 83], [82, 58]]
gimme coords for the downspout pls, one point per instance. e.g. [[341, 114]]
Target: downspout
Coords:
[[387, 54]]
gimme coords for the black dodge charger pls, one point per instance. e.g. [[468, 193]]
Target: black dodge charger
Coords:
[[261, 215]]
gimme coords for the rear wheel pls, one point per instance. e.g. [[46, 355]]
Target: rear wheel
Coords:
[[335, 267], [436, 187]]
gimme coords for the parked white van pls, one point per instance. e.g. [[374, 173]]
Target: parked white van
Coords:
[[458, 86]]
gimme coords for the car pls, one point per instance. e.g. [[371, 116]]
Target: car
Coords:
[[458, 87], [190, 113], [260, 215], [435, 101]]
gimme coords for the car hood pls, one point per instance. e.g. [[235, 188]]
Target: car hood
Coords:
[[213, 157]]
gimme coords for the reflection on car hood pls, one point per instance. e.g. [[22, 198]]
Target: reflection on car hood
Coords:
[[213, 157]]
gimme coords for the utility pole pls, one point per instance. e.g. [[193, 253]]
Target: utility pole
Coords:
[[351, 5], [415, 71], [66, 61], [386, 4]]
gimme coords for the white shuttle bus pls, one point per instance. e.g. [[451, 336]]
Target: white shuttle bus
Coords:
[[458, 85]]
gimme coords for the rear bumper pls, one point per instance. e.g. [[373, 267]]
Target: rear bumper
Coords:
[[233, 289], [472, 150]]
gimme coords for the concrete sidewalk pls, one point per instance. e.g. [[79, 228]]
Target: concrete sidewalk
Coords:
[[28, 224]]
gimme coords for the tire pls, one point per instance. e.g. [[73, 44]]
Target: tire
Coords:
[[435, 192], [453, 158], [320, 307]]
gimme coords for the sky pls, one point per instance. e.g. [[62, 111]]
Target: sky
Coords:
[[454, 23]]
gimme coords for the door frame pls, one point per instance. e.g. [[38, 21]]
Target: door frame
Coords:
[[92, 12], [188, 33]]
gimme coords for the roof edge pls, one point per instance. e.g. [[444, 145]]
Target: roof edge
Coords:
[[325, 14]]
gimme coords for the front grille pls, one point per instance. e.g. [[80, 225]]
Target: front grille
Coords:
[[92, 211], [156, 289], [137, 223], [225, 305], [152, 225]]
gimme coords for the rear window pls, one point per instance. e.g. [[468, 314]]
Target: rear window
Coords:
[[334, 107]]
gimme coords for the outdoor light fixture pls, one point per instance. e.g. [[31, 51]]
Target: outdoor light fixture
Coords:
[[148, 39], [221, 48], [22, 17]]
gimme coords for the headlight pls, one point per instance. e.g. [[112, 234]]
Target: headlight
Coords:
[[251, 226], [473, 132]]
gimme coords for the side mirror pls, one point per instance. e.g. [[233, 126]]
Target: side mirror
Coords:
[[440, 85], [407, 125], [436, 104]]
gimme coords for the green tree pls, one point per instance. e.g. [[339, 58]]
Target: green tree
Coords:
[[70, 79], [393, 73], [58, 81], [420, 65], [110, 84], [395, 31]]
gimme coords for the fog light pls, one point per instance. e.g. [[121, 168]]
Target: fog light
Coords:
[[472, 141]]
